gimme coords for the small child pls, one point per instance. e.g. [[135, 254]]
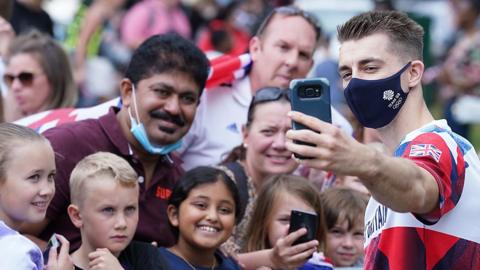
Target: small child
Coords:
[[27, 171], [271, 219], [202, 210], [104, 195], [344, 213]]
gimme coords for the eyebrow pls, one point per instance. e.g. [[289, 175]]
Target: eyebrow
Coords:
[[169, 87], [361, 63]]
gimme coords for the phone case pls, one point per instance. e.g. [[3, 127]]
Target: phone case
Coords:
[[314, 102], [312, 97], [300, 219]]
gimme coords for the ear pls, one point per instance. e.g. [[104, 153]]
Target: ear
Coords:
[[415, 73], [172, 213], [75, 216], [126, 91], [255, 47], [245, 134]]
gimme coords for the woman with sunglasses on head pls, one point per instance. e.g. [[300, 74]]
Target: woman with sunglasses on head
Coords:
[[38, 76], [262, 155]]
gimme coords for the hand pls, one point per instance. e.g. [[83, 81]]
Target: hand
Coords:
[[102, 258], [63, 261], [286, 256], [335, 151], [6, 36]]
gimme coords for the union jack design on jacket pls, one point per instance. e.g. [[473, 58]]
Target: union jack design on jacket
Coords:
[[449, 236], [223, 69]]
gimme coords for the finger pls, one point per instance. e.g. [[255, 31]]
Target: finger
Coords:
[[301, 258], [97, 253], [52, 259], [291, 237], [307, 151], [65, 246], [309, 121], [312, 137]]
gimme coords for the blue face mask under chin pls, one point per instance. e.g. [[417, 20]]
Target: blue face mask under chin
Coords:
[[139, 132]]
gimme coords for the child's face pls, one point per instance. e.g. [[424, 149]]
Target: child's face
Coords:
[[205, 219], [29, 184], [109, 214], [280, 220], [345, 247]]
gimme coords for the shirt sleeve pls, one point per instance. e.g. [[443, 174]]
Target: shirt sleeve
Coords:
[[447, 166]]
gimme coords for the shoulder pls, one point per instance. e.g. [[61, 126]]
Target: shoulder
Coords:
[[21, 253]]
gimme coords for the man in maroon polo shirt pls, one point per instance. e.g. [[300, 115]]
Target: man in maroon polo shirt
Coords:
[[160, 94]]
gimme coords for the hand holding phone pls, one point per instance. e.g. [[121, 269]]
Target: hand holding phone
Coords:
[[311, 97], [52, 243], [300, 219]]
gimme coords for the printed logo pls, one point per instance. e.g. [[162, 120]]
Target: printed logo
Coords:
[[388, 95], [233, 128], [163, 193], [423, 150]]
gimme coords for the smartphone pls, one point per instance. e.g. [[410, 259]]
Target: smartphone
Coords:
[[300, 219], [312, 97], [52, 243]]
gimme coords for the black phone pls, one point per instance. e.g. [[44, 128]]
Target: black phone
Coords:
[[52, 243], [301, 219], [312, 97]]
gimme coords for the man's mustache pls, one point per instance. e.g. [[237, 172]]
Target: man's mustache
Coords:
[[163, 115]]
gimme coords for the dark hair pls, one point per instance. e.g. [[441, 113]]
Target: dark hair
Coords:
[[343, 204], [200, 176], [290, 11], [167, 54], [54, 62], [406, 36], [263, 95], [6, 9]]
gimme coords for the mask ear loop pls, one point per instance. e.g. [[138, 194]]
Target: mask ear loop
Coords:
[[135, 103]]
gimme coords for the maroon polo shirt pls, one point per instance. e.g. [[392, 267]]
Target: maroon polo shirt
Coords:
[[72, 142]]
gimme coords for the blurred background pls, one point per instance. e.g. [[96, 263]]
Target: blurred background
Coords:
[[99, 36]]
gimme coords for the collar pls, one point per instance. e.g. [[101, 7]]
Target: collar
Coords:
[[113, 130], [243, 91]]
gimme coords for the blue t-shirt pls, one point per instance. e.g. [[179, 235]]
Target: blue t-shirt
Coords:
[[177, 263]]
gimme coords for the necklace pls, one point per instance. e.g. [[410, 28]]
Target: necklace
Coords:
[[189, 264]]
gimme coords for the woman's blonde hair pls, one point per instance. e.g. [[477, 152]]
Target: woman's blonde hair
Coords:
[[269, 194]]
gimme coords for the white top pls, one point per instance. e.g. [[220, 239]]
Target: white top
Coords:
[[18, 252], [217, 127]]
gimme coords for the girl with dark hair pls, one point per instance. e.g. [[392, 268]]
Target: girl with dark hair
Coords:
[[202, 210]]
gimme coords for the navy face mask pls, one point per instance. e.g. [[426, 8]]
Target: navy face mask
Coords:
[[375, 103]]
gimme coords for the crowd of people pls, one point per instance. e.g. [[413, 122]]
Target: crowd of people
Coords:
[[183, 171]]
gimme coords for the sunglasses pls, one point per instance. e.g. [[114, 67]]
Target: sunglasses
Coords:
[[25, 78], [267, 94]]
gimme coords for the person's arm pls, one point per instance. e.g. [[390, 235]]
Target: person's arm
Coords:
[[99, 12], [398, 183], [102, 258]]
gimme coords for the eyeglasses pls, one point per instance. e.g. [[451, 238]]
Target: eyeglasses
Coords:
[[291, 11], [267, 94], [25, 78]]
